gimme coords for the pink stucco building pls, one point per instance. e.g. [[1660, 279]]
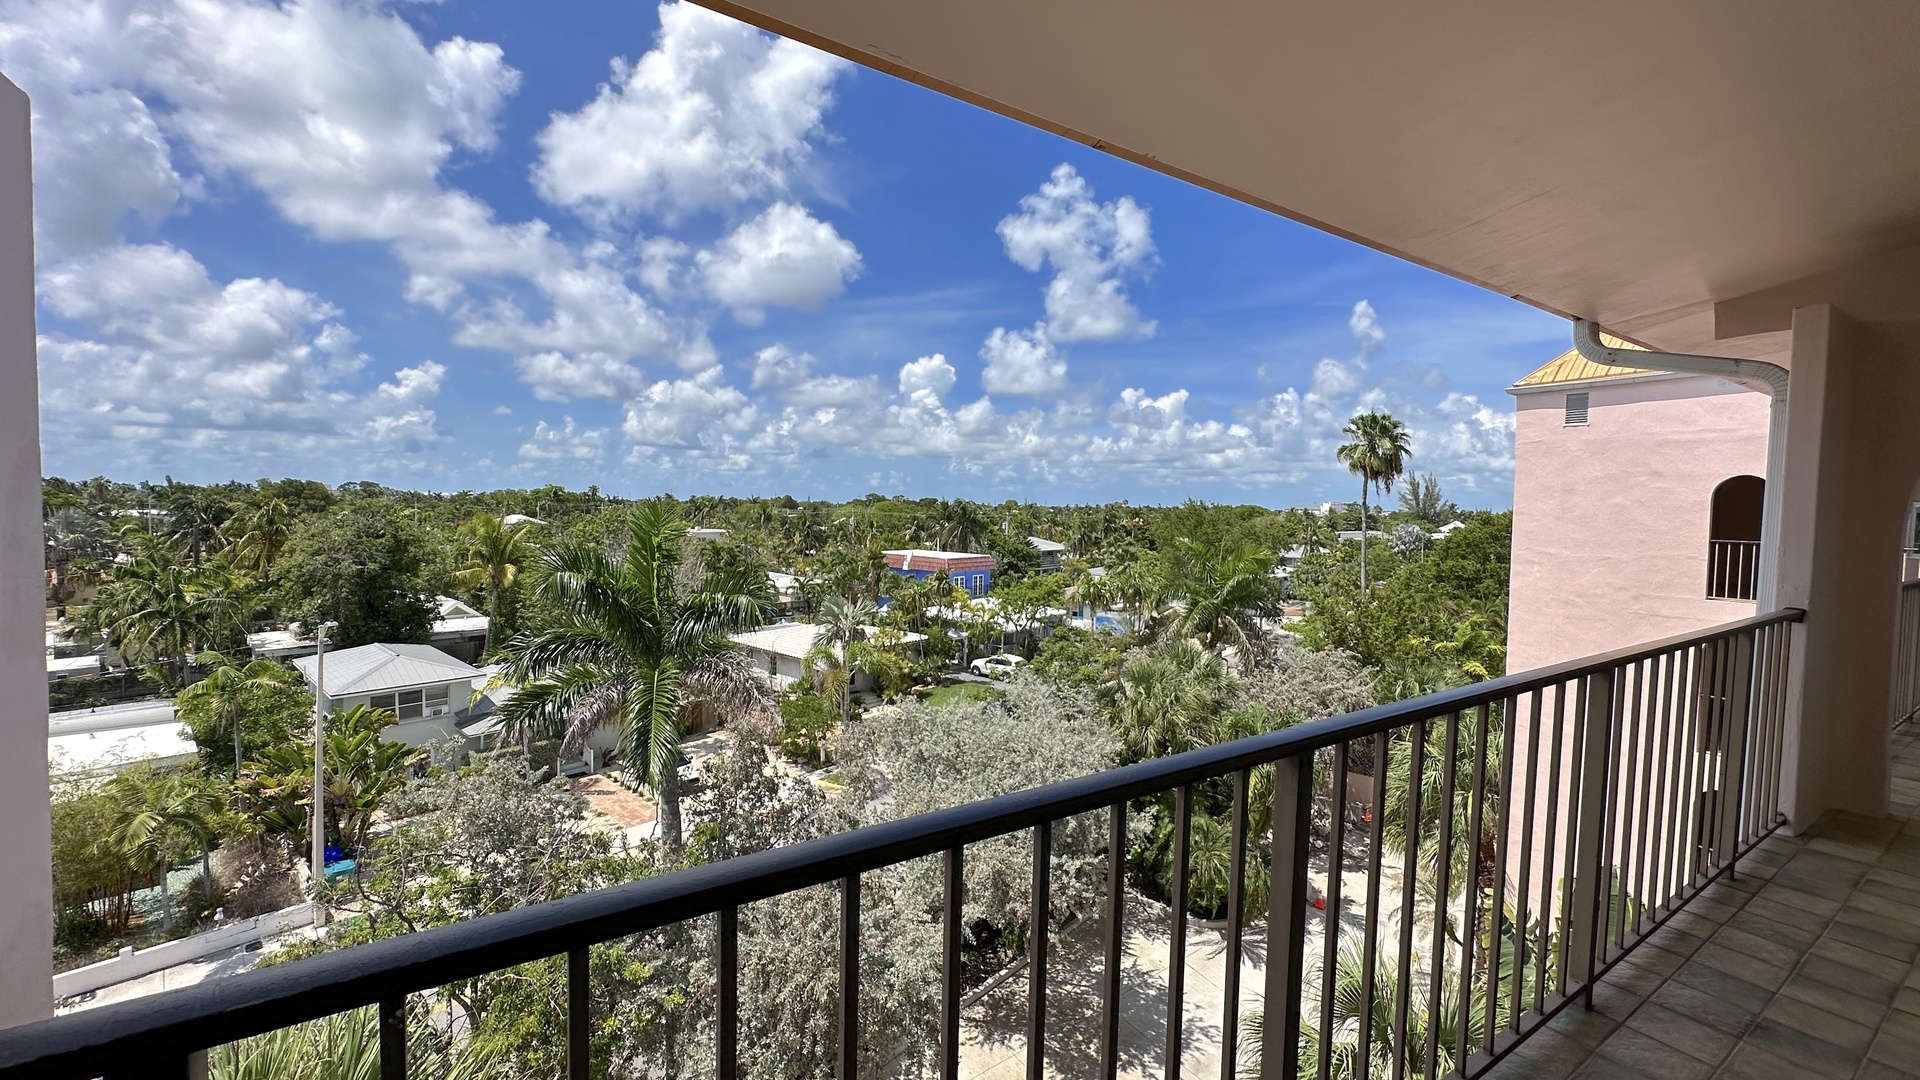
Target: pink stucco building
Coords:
[[1636, 507]]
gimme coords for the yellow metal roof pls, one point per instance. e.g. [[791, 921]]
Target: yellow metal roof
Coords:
[[1570, 367]]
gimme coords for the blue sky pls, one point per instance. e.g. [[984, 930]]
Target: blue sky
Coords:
[[468, 245]]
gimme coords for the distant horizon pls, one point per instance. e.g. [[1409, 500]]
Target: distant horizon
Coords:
[[1391, 500]]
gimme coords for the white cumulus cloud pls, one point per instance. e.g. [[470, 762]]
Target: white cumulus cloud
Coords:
[[715, 114], [1092, 247], [1023, 362], [785, 257]]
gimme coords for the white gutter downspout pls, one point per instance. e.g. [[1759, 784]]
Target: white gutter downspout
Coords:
[[1586, 339]]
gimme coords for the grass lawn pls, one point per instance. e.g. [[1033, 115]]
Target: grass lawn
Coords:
[[954, 693]]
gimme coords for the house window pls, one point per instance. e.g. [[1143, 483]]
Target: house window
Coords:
[[381, 701], [437, 698], [1733, 538], [409, 706], [977, 584], [1577, 410]]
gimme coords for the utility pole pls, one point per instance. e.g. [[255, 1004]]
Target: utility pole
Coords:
[[318, 815]]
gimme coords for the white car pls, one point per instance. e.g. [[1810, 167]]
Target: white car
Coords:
[[997, 666]]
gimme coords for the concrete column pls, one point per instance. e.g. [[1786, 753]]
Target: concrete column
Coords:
[[1853, 453], [26, 878]]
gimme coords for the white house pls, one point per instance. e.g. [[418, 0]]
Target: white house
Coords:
[[100, 742], [459, 630], [1052, 553], [781, 651], [432, 694]]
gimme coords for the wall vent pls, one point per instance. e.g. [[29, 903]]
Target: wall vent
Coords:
[[1577, 410]]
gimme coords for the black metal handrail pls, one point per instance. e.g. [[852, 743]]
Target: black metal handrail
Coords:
[[1740, 663]]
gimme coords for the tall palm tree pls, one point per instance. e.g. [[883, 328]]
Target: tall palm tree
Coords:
[[1227, 591], [1378, 452], [257, 534], [1140, 585], [842, 623], [636, 648], [495, 552], [230, 686], [194, 519]]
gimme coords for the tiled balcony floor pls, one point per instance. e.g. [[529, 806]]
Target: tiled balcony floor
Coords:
[[1807, 966]]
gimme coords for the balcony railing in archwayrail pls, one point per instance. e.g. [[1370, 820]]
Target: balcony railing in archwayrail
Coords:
[[1572, 810]]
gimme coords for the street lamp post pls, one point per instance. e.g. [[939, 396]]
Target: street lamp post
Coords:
[[318, 816]]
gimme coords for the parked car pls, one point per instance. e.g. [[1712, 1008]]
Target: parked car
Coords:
[[997, 666]]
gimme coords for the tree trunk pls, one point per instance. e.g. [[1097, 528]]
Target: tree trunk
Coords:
[[667, 786], [1364, 485], [166, 905], [493, 615], [236, 749]]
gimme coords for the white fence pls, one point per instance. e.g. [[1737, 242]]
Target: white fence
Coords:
[[131, 964]]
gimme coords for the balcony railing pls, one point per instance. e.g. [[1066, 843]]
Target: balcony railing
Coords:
[[1906, 654], [1733, 569], [1574, 810]]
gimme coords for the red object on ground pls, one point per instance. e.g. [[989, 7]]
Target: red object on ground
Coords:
[[1319, 903]]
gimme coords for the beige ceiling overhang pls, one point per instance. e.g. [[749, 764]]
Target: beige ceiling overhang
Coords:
[[1634, 161]]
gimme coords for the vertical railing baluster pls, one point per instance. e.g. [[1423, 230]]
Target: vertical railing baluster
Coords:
[[393, 1038], [1369, 943], [1287, 916], [1037, 951], [1114, 936], [1673, 814], [1443, 872], [1576, 774], [849, 1051], [1706, 674], [1409, 870], [951, 933], [1549, 906], [1497, 933], [1733, 753], [1470, 921], [1594, 873], [1783, 648], [1177, 943], [1330, 932], [579, 1016], [727, 1021], [1524, 948], [1620, 812], [1648, 701], [1236, 914]]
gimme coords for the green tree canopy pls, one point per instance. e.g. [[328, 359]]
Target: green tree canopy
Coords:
[[370, 568]]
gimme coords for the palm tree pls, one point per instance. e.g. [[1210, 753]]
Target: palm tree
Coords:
[[1166, 699], [842, 623], [156, 820], [230, 686], [158, 612], [636, 648], [1378, 453], [1140, 585], [363, 770], [1227, 592], [258, 534], [1316, 533], [194, 519], [1365, 1028], [495, 553]]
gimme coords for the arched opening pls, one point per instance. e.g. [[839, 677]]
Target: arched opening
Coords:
[[1733, 538]]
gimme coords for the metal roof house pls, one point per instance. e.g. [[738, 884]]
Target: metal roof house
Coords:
[[432, 694]]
